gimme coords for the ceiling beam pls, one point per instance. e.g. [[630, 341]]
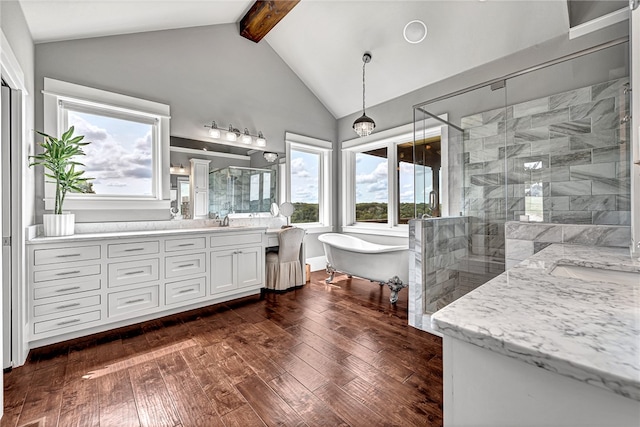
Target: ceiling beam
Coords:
[[263, 16]]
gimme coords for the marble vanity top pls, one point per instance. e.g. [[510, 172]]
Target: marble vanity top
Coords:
[[582, 329], [143, 233]]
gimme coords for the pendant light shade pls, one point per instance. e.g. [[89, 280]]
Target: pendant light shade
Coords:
[[364, 125]]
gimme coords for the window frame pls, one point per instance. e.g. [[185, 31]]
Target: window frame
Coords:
[[59, 96], [389, 138], [325, 180]]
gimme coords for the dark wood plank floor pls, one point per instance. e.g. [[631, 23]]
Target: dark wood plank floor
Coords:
[[318, 356]]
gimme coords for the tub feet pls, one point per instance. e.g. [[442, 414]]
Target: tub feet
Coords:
[[331, 272], [395, 284]]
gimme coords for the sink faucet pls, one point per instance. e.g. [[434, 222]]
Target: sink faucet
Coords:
[[225, 221]]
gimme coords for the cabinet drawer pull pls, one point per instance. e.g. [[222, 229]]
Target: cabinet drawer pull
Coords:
[[73, 288], [134, 249], [186, 265], [67, 255], [129, 273], [133, 301], [68, 322], [185, 244], [65, 273], [62, 307], [184, 291]]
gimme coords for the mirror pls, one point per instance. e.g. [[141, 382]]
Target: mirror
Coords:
[[257, 192], [237, 189]]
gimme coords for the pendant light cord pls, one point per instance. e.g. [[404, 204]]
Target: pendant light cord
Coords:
[[364, 64]]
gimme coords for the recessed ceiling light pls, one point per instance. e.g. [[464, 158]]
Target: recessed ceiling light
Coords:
[[415, 31]]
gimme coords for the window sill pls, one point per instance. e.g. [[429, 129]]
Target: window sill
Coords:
[[314, 228], [398, 231]]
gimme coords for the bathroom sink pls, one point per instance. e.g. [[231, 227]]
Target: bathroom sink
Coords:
[[596, 274]]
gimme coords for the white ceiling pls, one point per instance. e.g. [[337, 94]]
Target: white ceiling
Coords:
[[323, 40]]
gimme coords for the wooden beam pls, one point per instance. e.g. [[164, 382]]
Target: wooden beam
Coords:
[[263, 16]]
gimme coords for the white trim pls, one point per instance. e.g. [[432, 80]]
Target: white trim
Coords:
[[14, 76], [11, 71], [317, 263], [307, 140], [196, 152], [599, 23], [71, 91]]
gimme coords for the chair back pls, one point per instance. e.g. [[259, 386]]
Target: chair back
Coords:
[[290, 240]]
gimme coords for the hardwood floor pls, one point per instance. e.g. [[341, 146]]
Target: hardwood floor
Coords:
[[318, 356]]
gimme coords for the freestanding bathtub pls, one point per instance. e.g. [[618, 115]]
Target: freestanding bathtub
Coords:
[[385, 264]]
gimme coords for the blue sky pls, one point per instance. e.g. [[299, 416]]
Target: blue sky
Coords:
[[119, 156], [304, 177]]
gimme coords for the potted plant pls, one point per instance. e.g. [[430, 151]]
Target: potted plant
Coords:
[[59, 159]]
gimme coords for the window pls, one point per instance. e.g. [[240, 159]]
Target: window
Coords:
[[309, 181], [372, 186], [129, 147], [120, 156], [383, 186]]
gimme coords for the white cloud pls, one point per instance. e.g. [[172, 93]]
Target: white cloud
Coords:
[[379, 173], [298, 168]]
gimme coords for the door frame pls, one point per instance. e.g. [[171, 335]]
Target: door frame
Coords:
[[13, 75]]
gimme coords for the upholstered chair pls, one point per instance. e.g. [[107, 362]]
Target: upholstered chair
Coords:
[[283, 267]]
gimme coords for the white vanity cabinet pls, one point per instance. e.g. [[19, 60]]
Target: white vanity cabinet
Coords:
[[79, 285], [238, 263]]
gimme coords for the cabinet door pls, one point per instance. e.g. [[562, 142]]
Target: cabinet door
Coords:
[[201, 175], [249, 267], [222, 271], [200, 203]]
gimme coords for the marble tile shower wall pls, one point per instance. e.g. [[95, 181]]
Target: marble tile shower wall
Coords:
[[438, 254], [563, 158]]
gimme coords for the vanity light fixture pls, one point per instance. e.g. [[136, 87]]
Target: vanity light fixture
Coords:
[[233, 134], [181, 170], [270, 156], [364, 125]]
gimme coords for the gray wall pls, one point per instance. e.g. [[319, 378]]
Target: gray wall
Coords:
[[203, 73]]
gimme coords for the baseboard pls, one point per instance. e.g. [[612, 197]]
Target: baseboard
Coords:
[[317, 263]]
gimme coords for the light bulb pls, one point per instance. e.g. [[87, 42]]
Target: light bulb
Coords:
[[246, 138], [231, 135], [261, 141], [214, 133]]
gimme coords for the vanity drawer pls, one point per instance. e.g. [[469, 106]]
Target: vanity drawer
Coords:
[[66, 288], [118, 250], [236, 239], [187, 244], [66, 273], [184, 265], [131, 303], [130, 272], [63, 306], [185, 290], [66, 322], [59, 255]]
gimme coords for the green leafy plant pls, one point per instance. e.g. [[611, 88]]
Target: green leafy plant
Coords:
[[58, 158]]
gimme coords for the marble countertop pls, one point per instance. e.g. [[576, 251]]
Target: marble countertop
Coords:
[[143, 233], [585, 330]]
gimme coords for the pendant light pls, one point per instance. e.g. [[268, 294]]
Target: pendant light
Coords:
[[364, 125]]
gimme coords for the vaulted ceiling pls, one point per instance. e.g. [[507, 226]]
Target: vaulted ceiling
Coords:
[[322, 41]]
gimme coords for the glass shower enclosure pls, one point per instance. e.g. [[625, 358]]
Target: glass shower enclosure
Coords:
[[549, 145]]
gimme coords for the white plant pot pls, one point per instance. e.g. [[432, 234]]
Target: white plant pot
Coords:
[[59, 224]]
